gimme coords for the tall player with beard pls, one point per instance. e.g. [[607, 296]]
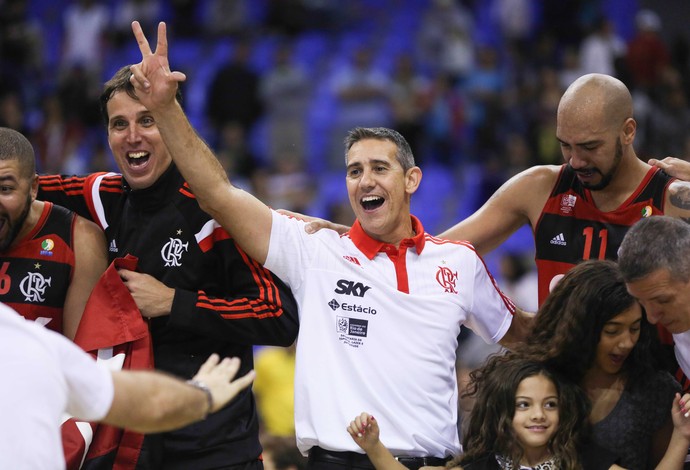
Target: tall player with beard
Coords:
[[50, 258], [582, 209]]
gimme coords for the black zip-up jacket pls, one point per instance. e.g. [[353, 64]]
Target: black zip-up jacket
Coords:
[[224, 302]]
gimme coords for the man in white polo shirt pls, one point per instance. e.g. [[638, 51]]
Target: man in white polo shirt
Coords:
[[380, 307]]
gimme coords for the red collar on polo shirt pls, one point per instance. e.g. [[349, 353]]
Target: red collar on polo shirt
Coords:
[[370, 246]]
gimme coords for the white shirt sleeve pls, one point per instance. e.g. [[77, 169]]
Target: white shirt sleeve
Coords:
[[491, 311], [89, 384]]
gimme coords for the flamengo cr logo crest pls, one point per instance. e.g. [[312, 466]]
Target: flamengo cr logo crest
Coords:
[[447, 279], [33, 286], [172, 252]]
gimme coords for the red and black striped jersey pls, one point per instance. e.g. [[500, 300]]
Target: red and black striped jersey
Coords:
[[571, 229], [36, 272], [224, 301]]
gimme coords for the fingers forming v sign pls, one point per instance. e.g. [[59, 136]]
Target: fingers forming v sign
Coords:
[[152, 79]]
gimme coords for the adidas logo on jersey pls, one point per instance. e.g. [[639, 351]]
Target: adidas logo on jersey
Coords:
[[558, 240], [113, 247]]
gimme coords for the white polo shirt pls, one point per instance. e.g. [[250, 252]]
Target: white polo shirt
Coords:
[[378, 332], [681, 348], [44, 375]]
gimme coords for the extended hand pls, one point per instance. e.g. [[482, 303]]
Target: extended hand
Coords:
[[217, 376], [152, 79], [680, 412], [673, 166], [364, 430]]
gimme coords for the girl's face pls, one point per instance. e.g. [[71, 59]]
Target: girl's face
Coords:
[[536, 417], [618, 338]]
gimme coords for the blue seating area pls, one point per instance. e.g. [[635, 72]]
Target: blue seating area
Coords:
[[387, 28]]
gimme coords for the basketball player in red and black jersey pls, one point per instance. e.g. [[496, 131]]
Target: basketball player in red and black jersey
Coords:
[[50, 258], [583, 208]]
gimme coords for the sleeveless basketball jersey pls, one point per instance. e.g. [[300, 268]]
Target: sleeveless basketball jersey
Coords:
[[35, 274], [571, 229]]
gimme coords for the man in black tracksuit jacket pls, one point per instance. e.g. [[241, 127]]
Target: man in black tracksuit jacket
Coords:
[[201, 293]]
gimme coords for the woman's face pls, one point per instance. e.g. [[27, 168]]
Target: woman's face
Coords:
[[618, 338]]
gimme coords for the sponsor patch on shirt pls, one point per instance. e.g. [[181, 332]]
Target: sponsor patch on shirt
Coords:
[[568, 203], [351, 330]]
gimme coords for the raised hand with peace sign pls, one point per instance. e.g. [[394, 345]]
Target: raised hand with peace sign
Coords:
[[152, 78]]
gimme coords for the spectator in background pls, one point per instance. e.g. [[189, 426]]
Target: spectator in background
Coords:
[[484, 89], [12, 111], [602, 49], [56, 139], [288, 17], [519, 280], [285, 91], [233, 94], [548, 95], [78, 92], [647, 53], [274, 389], [184, 17], [362, 92], [147, 12], [286, 184], [281, 453], [225, 18], [86, 24], [570, 69], [444, 122], [407, 94], [235, 154], [21, 40], [669, 117], [445, 38], [516, 23]]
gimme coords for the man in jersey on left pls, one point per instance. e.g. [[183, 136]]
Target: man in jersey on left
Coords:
[[50, 258], [199, 293]]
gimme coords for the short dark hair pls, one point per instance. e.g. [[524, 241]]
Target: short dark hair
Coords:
[[658, 242], [404, 153], [14, 146], [120, 82]]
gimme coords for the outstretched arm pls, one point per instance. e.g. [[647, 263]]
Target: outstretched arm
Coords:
[[149, 401], [246, 218], [518, 202]]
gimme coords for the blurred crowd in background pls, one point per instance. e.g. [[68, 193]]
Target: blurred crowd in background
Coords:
[[273, 86]]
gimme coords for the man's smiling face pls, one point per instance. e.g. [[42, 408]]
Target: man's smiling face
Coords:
[[135, 141], [379, 189]]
